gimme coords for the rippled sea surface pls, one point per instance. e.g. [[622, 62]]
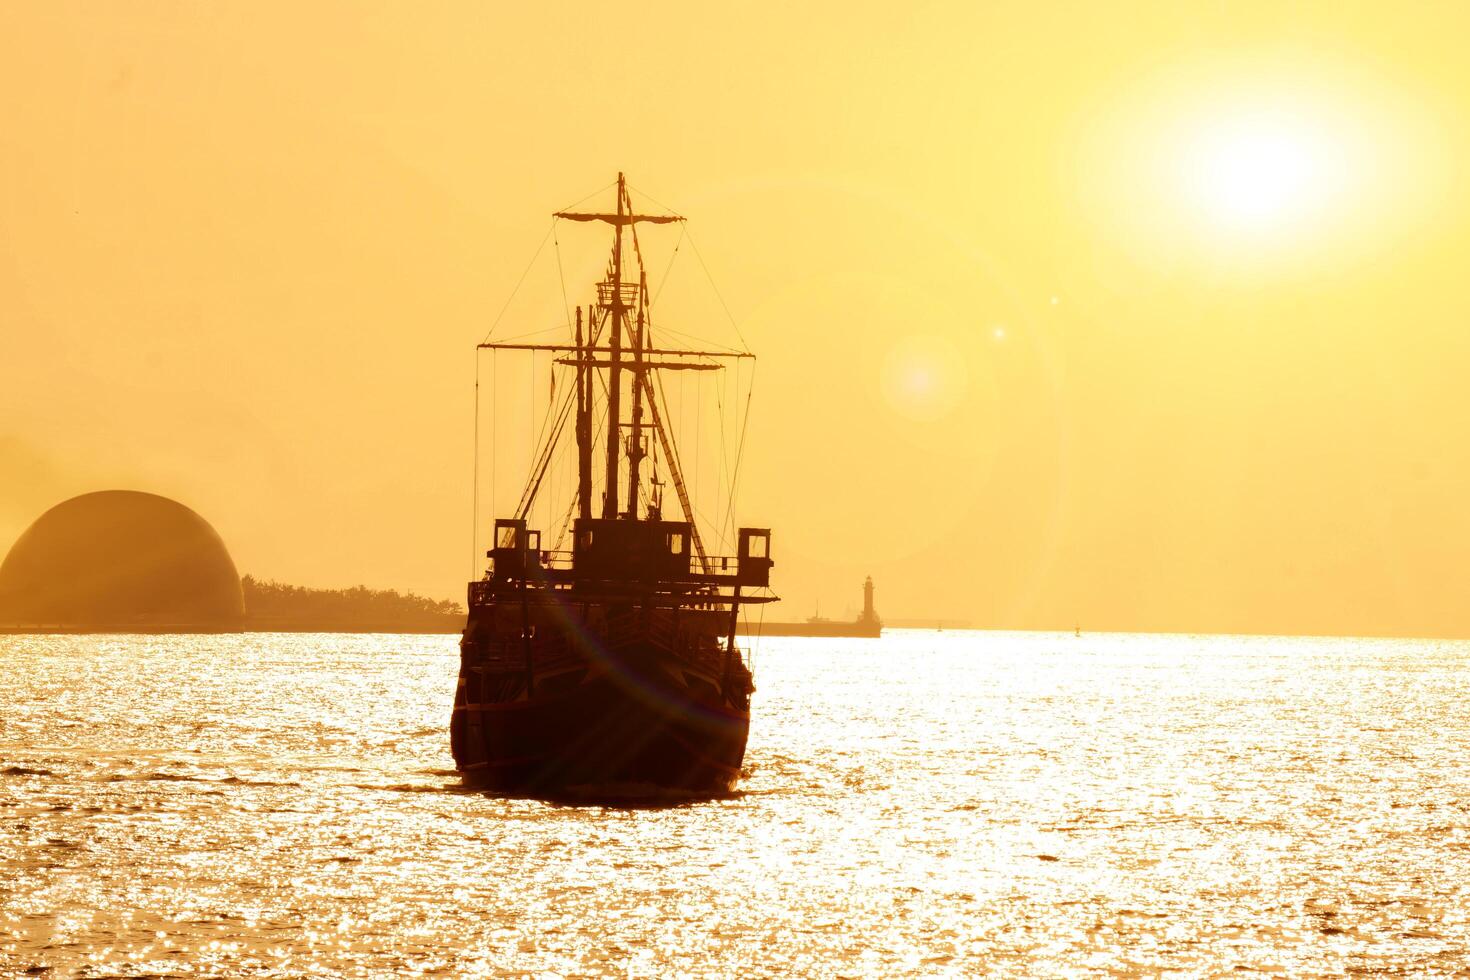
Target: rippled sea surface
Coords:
[[926, 804]]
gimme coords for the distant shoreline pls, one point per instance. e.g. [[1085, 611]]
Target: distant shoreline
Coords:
[[446, 625]]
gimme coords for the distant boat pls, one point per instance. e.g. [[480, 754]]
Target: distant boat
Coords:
[[866, 625], [612, 664]]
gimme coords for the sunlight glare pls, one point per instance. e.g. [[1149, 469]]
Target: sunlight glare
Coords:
[[1254, 172], [1261, 163]]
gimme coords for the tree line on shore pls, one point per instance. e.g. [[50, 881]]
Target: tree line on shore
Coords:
[[270, 600]]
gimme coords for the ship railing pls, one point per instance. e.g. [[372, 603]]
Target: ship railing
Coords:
[[549, 649], [565, 558], [484, 593], [624, 294], [496, 652], [717, 569]]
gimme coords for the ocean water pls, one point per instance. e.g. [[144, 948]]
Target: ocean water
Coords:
[[940, 804]]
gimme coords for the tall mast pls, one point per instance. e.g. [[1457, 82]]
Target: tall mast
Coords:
[[635, 442], [584, 424], [614, 369], [613, 299]]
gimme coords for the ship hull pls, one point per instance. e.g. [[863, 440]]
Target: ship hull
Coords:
[[597, 722]]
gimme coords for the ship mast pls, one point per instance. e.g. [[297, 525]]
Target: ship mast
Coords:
[[616, 299], [614, 367], [584, 422], [635, 440]]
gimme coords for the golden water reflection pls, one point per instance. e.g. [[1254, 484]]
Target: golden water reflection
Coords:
[[930, 803]]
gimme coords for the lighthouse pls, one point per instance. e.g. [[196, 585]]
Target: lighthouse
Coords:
[[870, 615]]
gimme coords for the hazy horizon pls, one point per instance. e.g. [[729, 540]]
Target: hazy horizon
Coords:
[[1139, 318]]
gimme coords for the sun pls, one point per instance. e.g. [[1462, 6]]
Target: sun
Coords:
[[1261, 171], [1257, 163], [1251, 177]]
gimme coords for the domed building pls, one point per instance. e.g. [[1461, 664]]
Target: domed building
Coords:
[[120, 559]]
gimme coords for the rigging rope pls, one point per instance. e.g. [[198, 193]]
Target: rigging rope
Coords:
[[532, 435], [589, 197], [722, 466], [561, 275], [683, 230], [519, 282], [740, 448], [649, 198], [494, 435], [672, 453], [718, 295], [543, 460], [698, 429], [532, 333], [475, 483], [704, 342]]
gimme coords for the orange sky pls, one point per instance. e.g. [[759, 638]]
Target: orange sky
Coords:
[[1129, 316]]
